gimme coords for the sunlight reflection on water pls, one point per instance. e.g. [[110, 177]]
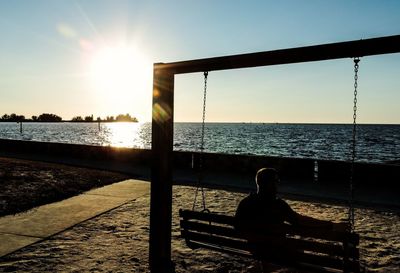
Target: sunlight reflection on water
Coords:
[[117, 134], [122, 134], [375, 143]]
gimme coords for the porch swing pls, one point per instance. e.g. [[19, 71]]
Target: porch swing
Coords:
[[316, 250]]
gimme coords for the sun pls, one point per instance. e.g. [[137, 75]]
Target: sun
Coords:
[[120, 74]]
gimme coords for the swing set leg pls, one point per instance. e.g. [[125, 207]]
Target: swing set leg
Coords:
[[161, 173]]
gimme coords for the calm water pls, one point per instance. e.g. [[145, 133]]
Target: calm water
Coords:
[[375, 143]]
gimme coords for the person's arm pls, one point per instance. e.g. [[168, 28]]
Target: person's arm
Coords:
[[295, 218], [311, 222], [307, 221]]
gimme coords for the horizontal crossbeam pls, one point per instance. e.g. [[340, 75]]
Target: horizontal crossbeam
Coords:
[[349, 49]]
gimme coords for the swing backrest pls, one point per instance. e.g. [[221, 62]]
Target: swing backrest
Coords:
[[316, 250]]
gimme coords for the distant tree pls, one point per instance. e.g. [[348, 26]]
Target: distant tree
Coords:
[[5, 117], [34, 118], [89, 118], [98, 119], [20, 118], [13, 117], [121, 117], [110, 118], [77, 119], [126, 117], [49, 118]]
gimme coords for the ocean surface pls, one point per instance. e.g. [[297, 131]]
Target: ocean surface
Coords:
[[375, 143]]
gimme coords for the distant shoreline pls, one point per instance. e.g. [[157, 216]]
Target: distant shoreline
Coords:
[[63, 121], [210, 122]]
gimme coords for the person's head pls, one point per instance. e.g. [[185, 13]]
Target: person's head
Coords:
[[266, 179]]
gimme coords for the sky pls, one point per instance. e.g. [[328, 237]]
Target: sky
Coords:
[[95, 58]]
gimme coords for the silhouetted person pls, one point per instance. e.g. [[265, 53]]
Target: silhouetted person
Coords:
[[263, 212]]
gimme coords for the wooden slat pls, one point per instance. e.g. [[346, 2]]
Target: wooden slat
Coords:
[[204, 216], [322, 234], [212, 229], [221, 249], [324, 261], [217, 240], [318, 247]]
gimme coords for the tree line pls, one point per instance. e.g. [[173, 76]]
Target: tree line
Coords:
[[120, 117], [46, 117], [41, 118]]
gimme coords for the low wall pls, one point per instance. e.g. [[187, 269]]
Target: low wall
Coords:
[[289, 168], [138, 162], [76, 151], [131, 161], [371, 174]]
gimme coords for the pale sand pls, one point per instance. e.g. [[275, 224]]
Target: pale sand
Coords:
[[117, 241]]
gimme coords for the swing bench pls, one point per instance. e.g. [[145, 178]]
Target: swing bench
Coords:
[[316, 250], [304, 248]]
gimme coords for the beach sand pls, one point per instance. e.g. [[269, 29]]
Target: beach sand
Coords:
[[26, 184], [117, 241]]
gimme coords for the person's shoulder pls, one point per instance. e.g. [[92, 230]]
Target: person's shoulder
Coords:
[[248, 200], [284, 206], [280, 202], [245, 209]]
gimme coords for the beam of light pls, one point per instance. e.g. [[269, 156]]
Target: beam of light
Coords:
[[89, 22]]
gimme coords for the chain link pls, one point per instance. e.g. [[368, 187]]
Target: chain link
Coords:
[[204, 112], [200, 175], [353, 145]]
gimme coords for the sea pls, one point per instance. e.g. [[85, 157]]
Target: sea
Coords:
[[376, 143]]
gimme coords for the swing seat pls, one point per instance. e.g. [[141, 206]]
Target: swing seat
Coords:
[[315, 250]]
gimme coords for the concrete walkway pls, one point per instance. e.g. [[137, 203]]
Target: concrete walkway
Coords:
[[23, 229]]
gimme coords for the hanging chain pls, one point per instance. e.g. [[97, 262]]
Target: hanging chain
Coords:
[[353, 156], [204, 114], [353, 145], [200, 174]]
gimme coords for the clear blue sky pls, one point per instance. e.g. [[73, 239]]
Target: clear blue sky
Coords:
[[53, 58]]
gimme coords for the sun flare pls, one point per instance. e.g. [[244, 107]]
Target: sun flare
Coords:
[[120, 74]]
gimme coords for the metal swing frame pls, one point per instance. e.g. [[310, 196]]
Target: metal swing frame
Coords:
[[163, 119]]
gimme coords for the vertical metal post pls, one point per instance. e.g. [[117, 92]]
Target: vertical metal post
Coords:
[[161, 172], [20, 127]]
